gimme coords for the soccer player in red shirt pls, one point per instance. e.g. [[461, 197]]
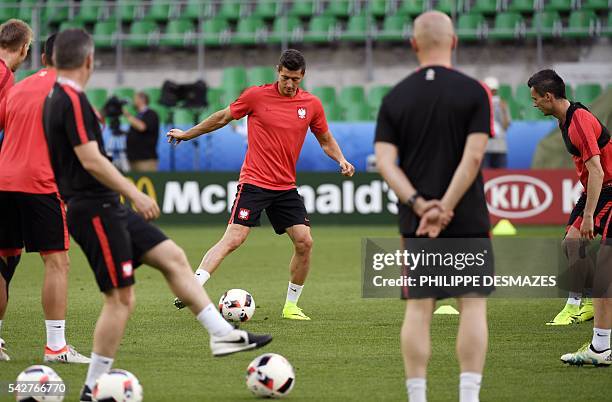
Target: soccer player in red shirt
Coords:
[[15, 39], [588, 141], [31, 210], [279, 116]]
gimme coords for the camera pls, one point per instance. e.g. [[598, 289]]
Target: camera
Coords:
[[113, 109]]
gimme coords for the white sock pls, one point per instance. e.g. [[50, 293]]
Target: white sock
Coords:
[[601, 339], [202, 276], [98, 366], [417, 388], [211, 319], [574, 298], [56, 330], [293, 292], [469, 387]]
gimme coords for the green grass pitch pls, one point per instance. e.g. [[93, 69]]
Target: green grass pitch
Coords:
[[350, 351]]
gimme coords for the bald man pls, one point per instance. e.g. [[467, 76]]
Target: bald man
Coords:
[[436, 123]]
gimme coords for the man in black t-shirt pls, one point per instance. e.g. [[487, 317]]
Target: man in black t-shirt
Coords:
[[437, 122], [141, 145], [114, 238]]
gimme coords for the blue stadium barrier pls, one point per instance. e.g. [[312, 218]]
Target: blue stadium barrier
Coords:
[[523, 138]]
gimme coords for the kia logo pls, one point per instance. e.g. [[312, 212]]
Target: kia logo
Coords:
[[517, 196]]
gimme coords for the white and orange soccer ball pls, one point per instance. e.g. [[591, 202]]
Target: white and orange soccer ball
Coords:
[[270, 376], [117, 386], [39, 383], [237, 305]]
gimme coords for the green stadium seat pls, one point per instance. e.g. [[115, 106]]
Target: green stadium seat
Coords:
[[215, 31], [74, 24], [581, 24], [357, 111], [179, 33], [338, 8], [587, 93], [321, 29], [159, 11], [260, 75], [23, 73], [89, 11], [595, 5], [516, 110], [395, 28], [194, 8], [351, 94], [266, 9], [230, 10], [505, 92], [55, 11], [523, 95], [124, 10], [508, 25], [104, 34], [233, 82], [162, 111], [154, 94], [550, 24], [563, 6], [569, 92], [356, 28], [326, 94], [285, 27], [449, 7], [333, 112], [9, 11], [125, 93], [97, 97], [248, 31], [411, 7], [26, 8], [183, 117], [142, 34], [487, 7], [376, 95], [302, 8], [607, 30], [532, 113], [377, 8], [470, 27], [214, 96], [522, 6]]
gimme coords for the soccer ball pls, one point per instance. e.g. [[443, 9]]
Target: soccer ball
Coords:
[[40, 384], [237, 305], [117, 386], [270, 376]]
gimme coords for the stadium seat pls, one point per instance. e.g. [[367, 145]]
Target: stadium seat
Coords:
[[395, 28], [266, 9], [248, 31], [351, 94], [487, 7], [71, 24], [230, 10], [333, 112], [97, 97], [411, 7], [569, 92], [214, 31], [470, 27], [23, 73], [376, 95], [282, 27], [581, 24], [214, 96], [356, 28], [326, 94], [338, 8], [142, 34], [587, 93], [508, 25], [125, 10], [532, 113], [233, 82], [104, 34], [55, 11], [377, 8], [179, 33], [595, 5], [523, 95], [550, 24], [607, 31], [154, 94], [159, 11], [183, 117], [260, 75], [125, 93], [26, 7], [563, 6], [357, 111], [522, 6], [449, 7], [194, 8], [505, 92], [9, 11], [321, 29], [89, 11], [302, 8]]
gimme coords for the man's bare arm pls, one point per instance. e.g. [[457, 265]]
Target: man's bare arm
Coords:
[[596, 176], [332, 149], [213, 122]]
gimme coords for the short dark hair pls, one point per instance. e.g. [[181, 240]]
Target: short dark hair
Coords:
[[292, 60], [71, 49], [144, 96], [547, 81], [48, 49], [14, 34]]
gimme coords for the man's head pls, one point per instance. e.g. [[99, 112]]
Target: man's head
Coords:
[[47, 55], [141, 100], [433, 33], [547, 88], [291, 68], [15, 39], [74, 50]]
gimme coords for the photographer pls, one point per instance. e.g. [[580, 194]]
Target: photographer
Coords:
[[142, 136]]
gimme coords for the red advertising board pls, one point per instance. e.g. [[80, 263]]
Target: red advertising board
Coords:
[[531, 196]]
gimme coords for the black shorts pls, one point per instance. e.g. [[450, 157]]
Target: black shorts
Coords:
[[285, 208], [602, 218], [113, 238], [36, 221]]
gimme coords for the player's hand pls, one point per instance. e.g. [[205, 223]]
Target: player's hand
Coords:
[[435, 218], [346, 169], [145, 206], [587, 230], [175, 136]]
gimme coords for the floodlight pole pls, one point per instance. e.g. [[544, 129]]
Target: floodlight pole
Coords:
[[119, 52], [35, 59]]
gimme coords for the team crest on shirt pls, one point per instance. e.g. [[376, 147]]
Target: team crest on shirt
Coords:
[[126, 269], [301, 112], [244, 214]]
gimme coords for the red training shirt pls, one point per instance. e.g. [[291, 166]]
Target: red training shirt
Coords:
[[277, 127], [7, 79], [24, 159], [584, 130]]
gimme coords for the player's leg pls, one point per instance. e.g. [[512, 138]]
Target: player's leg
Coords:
[[299, 268], [472, 341], [173, 264], [416, 346]]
